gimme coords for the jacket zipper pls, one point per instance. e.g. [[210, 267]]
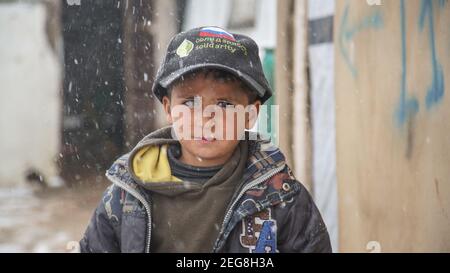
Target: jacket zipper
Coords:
[[248, 186], [144, 202]]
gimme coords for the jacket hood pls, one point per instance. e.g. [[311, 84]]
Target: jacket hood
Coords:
[[132, 168], [148, 161], [149, 166]]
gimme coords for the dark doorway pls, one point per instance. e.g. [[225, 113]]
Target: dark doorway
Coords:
[[93, 87]]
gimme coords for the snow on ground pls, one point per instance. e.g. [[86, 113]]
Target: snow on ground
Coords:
[[46, 221]]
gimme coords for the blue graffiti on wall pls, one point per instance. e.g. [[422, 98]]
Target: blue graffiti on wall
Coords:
[[436, 91], [408, 105], [347, 32]]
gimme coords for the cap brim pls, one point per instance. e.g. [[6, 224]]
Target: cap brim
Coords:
[[260, 90]]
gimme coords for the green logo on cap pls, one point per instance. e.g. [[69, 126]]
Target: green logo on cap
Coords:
[[185, 48]]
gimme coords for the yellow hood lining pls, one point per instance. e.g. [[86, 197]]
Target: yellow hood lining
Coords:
[[151, 164]]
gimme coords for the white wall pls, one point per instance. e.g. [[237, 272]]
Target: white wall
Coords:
[[30, 101], [321, 62]]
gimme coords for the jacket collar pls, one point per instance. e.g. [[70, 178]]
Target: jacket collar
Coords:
[[263, 157]]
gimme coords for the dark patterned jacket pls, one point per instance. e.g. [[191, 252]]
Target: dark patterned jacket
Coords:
[[269, 212]]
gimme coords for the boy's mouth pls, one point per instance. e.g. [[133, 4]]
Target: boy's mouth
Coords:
[[206, 140]]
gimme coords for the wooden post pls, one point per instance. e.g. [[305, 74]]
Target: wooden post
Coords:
[[164, 26], [138, 69], [302, 147], [283, 75]]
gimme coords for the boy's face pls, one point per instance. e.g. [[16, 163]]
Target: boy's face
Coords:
[[209, 117]]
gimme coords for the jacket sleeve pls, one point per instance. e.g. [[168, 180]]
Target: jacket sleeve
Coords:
[[304, 228], [100, 235]]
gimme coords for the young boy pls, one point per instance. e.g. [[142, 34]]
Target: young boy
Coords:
[[187, 187]]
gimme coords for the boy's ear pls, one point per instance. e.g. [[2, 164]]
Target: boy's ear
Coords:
[[252, 114], [167, 110]]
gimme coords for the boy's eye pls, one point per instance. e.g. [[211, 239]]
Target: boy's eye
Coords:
[[224, 104], [192, 102], [189, 103]]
